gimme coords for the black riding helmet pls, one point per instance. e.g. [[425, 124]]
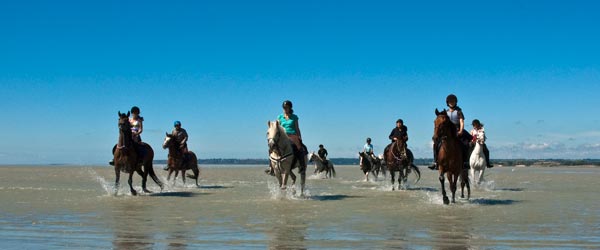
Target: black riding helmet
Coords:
[[368, 139], [135, 109], [451, 98], [287, 103], [476, 123]]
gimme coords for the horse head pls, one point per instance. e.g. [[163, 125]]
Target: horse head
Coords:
[[124, 129], [273, 135], [442, 125], [169, 139], [311, 156]]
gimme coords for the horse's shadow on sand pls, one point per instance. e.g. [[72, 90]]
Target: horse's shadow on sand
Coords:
[[214, 187], [426, 189], [177, 194], [510, 189], [333, 197], [493, 202]]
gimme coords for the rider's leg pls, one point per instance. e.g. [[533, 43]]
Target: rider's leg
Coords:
[[436, 149], [112, 161], [486, 152]]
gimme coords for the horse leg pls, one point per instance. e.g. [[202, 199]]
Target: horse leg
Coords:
[[117, 177], [130, 181], [472, 175], [169, 175], [442, 182], [462, 185], [481, 174], [144, 179], [293, 176], [468, 186], [453, 187], [175, 177], [392, 174], [302, 178], [183, 176]]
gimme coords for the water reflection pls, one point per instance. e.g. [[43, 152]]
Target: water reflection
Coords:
[[288, 228], [129, 219], [452, 230]]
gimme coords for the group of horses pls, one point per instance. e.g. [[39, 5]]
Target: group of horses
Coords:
[[132, 157], [397, 159]]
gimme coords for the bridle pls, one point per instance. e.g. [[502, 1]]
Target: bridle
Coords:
[[274, 148]]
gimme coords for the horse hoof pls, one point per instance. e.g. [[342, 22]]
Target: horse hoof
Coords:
[[446, 201], [133, 192], [147, 191]]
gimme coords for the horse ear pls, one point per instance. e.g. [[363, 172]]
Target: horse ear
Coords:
[[167, 134], [119, 113], [437, 112], [277, 122], [128, 113], [268, 124]]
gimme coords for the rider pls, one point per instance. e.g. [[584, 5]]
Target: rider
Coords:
[[475, 132], [137, 128], [289, 121], [458, 119], [400, 132], [368, 148], [323, 154], [181, 136]]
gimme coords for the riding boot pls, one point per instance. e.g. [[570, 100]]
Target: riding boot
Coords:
[[486, 152], [434, 166], [112, 161]]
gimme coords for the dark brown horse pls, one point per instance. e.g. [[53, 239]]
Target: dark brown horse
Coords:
[[450, 157], [179, 160], [400, 159], [127, 159]]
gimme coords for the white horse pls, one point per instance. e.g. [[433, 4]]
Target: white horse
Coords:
[[320, 167], [477, 160], [283, 159]]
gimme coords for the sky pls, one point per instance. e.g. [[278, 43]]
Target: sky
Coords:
[[528, 70]]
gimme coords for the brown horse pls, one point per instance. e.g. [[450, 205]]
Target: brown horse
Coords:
[[400, 159], [127, 159], [179, 160], [450, 157]]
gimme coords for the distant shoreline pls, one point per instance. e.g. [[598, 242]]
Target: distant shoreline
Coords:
[[354, 161], [420, 161]]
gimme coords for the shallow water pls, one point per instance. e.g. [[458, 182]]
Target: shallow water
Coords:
[[239, 207]]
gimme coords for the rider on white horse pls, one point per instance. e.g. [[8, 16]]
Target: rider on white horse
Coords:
[[479, 132], [289, 121]]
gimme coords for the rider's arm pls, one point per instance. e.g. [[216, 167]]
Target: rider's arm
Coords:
[[185, 137], [141, 122], [392, 135], [462, 126], [298, 129]]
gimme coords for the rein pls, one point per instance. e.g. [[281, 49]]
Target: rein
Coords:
[[277, 150]]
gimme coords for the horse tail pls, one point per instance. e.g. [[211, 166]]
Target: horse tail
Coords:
[[417, 172], [152, 174], [193, 166], [332, 169]]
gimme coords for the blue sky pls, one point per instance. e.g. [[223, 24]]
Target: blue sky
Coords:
[[528, 70]]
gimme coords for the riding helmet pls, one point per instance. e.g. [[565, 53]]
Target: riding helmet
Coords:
[[451, 98], [177, 123], [287, 103], [135, 109], [368, 139]]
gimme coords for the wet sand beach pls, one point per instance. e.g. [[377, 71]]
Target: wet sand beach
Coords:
[[240, 207]]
